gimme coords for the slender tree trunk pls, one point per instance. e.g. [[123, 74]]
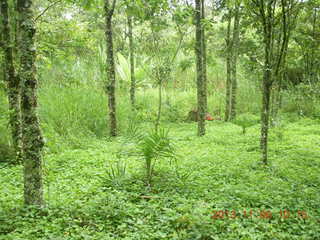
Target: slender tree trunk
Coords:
[[132, 69], [279, 73], [111, 85], [235, 46], [228, 82], [13, 81], [204, 57], [199, 64], [265, 118], [159, 105], [275, 90], [267, 80], [313, 70], [32, 139]]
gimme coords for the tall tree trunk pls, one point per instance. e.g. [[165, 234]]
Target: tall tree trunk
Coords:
[[32, 140], [132, 70], [13, 81], [235, 46], [204, 57], [199, 65], [228, 82], [111, 85], [267, 78]]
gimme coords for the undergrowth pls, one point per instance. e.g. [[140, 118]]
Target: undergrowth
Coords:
[[218, 172]]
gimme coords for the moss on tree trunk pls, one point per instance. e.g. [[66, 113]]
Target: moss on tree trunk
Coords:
[[32, 137], [111, 84]]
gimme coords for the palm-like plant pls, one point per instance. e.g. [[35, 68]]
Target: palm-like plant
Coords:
[[156, 145]]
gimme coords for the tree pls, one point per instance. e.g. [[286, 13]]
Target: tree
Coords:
[[161, 70], [228, 62], [154, 13], [307, 41], [231, 59], [12, 80], [312, 62], [273, 60], [234, 56], [204, 55], [266, 11], [290, 10], [111, 85], [32, 140], [132, 70], [199, 65]]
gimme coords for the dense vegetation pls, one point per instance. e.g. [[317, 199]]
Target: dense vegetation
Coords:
[[159, 119]]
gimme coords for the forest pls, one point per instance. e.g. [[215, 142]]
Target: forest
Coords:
[[159, 119]]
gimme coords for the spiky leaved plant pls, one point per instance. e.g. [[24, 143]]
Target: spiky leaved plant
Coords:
[[154, 146]]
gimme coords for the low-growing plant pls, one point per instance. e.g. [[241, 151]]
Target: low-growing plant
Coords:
[[116, 172], [246, 120], [184, 174], [133, 131], [154, 146]]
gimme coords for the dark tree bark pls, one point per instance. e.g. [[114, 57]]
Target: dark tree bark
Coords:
[[32, 140], [228, 62], [204, 57], [132, 69], [199, 66], [12, 80], [267, 17], [111, 85], [234, 57]]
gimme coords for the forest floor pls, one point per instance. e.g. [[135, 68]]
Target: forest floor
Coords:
[[216, 190]]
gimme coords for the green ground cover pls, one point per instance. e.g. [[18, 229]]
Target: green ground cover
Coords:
[[218, 172]]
